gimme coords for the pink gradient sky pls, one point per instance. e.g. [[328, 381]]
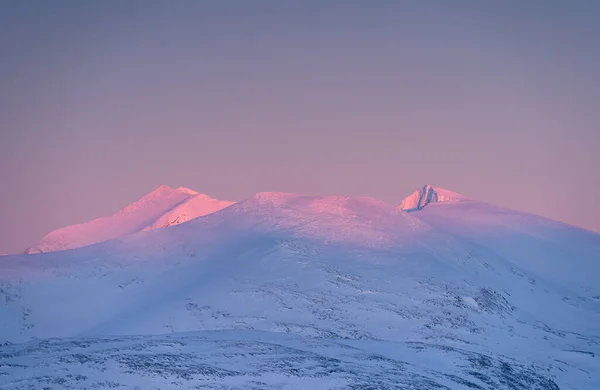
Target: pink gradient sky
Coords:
[[101, 102]]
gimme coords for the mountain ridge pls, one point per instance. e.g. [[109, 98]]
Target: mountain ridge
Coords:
[[186, 204], [165, 206]]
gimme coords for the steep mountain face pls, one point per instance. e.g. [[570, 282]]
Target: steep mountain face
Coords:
[[429, 194], [287, 290], [162, 207]]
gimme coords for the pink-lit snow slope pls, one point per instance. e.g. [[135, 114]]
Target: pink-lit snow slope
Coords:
[[196, 206], [162, 207], [429, 194]]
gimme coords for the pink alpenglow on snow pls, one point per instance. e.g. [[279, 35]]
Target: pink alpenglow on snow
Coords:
[[160, 208], [196, 206], [429, 194]]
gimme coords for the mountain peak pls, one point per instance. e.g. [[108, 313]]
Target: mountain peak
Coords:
[[166, 190], [429, 194], [161, 189], [186, 191], [162, 207]]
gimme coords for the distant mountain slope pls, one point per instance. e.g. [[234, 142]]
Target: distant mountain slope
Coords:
[[565, 254], [162, 207]]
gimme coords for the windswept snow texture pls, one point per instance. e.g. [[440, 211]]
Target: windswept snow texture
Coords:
[[283, 291], [428, 194], [162, 207]]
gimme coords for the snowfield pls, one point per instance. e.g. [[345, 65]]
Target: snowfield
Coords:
[[283, 291]]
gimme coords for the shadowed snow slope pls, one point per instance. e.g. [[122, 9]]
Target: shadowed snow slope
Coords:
[[316, 292], [162, 207], [566, 255]]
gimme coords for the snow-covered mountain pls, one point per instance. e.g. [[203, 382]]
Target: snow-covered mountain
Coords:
[[429, 194], [162, 207], [290, 291]]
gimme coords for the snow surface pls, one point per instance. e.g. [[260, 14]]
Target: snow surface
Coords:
[[162, 207], [284, 291], [429, 194], [196, 206]]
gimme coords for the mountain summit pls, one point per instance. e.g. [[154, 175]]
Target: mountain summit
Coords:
[[429, 194], [163, 207]]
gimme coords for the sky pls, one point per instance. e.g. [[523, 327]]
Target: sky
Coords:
[[101, 102]]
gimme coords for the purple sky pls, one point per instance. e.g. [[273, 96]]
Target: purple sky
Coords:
[[101, 102]]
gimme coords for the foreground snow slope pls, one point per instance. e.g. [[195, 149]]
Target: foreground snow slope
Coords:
[[254, 360], [366, 293], [162, 207]]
